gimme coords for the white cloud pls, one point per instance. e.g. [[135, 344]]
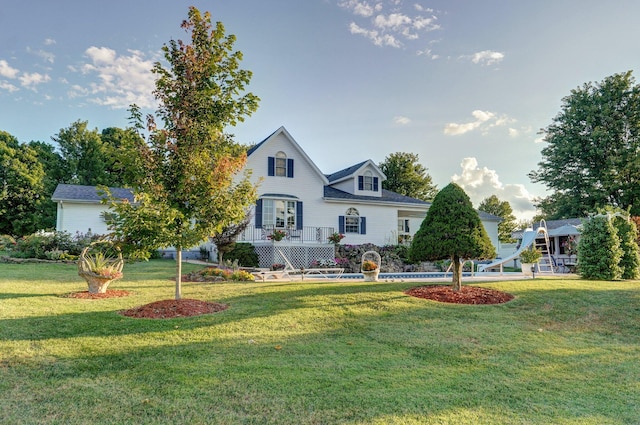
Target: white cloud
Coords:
[[514, 132], [389, 23], [124, 79], [49, 42], [487, 57], [5, 85], [47, 56], [373, 35], [480, 183], [484, 121], [361, 8], [30, 81], [7, 71], [400, 120]]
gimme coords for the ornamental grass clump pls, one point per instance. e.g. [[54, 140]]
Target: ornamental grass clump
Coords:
[[530, 256]]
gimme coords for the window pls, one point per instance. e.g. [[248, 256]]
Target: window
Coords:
[[352, 222], [280, 165], [279, 213], [368, 182], [403, 225]]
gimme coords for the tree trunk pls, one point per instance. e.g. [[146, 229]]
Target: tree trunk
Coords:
[[457, 274], [178, 273]]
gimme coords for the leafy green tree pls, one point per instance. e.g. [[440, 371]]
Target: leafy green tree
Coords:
[[45, 216], [406, 176], [599, 251], [21, 186], [84, 154], [592, 155], [502, 209], [121, 165], [188, 188], [451, 230]]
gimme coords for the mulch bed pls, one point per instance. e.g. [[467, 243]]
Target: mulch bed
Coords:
[[466, 295], [111, 293], [168, 309]]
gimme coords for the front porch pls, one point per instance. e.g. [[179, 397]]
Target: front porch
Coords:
[[306, 235]]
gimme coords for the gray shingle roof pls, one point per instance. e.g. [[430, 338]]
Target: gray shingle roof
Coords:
[[78, 193], [345, 172], [387, 196]]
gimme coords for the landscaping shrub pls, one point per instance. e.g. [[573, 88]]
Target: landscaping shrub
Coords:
[[630, 261], [599, 251], [7, 243], [52, 245], [244, 253]]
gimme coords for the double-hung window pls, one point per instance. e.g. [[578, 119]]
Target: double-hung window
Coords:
[[280, 165], [352, 222], [368, 182]]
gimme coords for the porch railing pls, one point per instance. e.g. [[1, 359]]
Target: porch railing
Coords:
[[308, 234]]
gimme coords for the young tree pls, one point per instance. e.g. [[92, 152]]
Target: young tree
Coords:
[[406, 176], [590, 160], [451, 230], [502, 209], [21, 186], [188, 188], [225, 239]]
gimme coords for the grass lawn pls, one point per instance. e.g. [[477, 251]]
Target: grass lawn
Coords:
[[565, 351]]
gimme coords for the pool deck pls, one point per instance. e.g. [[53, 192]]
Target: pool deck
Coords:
[[395, 277]]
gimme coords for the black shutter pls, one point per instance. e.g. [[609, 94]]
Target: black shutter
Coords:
[[360, 183], [259, 214], [271, 166], [363, 225], [290, 167], [375, 184], [341, 224], [299, 215]]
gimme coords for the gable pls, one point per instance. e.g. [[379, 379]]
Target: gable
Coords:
[[279, 155]]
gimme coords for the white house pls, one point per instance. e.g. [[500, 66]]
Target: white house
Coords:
[[295, 197], [79, 208]]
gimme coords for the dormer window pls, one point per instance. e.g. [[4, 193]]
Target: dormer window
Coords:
[[280, 165], [368, 182]]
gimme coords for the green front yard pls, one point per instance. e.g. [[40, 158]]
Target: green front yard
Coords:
[[563, 352]]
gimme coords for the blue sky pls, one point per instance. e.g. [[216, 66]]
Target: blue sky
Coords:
[[466, 85]]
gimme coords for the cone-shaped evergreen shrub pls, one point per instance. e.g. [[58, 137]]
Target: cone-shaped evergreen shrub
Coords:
[[451, 230]]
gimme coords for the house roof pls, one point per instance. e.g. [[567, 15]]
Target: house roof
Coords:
[[350, 171], [79, 193], [387, 197], [555, 224], [345, 172]]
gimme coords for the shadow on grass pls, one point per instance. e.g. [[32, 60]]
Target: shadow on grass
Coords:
[[336, 376]]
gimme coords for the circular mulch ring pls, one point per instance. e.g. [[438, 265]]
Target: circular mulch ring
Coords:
[[111, 293], [169, 309], [466, 295]]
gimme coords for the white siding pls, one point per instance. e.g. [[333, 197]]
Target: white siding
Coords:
[[81, 217]]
